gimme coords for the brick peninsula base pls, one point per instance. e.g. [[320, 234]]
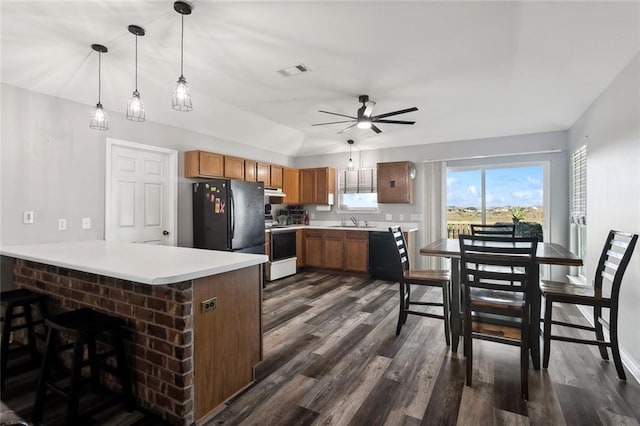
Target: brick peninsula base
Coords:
[[177, 352]]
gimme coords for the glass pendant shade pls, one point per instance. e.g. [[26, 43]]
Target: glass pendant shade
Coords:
[[350, 164], [99, 119], [182, 96], [135, 108]]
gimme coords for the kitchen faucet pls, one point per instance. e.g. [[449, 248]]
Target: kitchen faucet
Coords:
[[355, 221]]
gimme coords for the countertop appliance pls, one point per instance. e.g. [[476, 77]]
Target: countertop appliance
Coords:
[[228, 215]]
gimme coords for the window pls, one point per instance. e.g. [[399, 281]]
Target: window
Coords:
[[357, 190], [578, 219], [492, 195]]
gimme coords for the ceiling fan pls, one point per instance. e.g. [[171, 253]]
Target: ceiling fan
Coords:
[[364, 119]]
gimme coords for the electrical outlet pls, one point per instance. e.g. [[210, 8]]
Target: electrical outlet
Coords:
[[388, 217], [28, 216], [62, 224], [400, 217], [209, 304], [86, 223], [312, 216], [415, 216]]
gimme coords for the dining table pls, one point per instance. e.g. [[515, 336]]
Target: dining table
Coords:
[[547, 254]]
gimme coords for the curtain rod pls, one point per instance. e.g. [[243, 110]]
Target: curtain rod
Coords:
[[476, 157]]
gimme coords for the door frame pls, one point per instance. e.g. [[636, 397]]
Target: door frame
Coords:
[[173, 182]]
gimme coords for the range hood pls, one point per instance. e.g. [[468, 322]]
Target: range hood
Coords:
[[274, 192]]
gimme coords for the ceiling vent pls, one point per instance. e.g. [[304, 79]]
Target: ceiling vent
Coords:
[[294, 70]]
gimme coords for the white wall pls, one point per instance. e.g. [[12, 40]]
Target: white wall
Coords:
[[53, 164], [611, 130], [494, 149]]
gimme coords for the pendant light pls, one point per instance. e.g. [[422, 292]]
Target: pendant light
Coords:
[[99, 119], [350, 163], [182, 95], [135, 107]]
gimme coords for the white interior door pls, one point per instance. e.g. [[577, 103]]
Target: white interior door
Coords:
[[141, 193]]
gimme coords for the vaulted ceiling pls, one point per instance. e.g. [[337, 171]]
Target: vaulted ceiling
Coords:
[[474, 69]]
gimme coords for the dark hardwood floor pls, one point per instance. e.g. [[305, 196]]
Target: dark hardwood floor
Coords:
[[331, 357]]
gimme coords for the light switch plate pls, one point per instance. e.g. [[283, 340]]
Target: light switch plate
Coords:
[[62, 224], [400, 217], [86, 223]]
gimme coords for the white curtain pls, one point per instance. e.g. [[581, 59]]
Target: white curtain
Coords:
[[435, 209]]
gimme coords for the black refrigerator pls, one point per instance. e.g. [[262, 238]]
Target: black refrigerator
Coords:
[[228, 215]]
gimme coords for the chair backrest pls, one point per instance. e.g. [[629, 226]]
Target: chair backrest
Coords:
[[614, 259], [498, 263], [401, 246], [496, 230]]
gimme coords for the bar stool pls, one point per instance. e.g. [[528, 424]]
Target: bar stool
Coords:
[[18, 304], [82, 327]]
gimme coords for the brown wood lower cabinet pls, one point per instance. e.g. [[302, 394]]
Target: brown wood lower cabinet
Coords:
[[356, 250], [336, 250], [300, 249]]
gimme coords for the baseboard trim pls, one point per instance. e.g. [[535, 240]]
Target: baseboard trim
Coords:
[[632, 366]]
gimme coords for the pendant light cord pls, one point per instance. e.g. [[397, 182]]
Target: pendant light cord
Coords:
[[99, 76], [136, 62], [182, 46]]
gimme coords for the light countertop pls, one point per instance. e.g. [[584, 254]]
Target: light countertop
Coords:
[[144, 263], [373, 228]]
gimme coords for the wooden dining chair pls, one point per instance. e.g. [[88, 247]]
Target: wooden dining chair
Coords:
[[495, 230], [408, 277], [613, 262], [496, 274]]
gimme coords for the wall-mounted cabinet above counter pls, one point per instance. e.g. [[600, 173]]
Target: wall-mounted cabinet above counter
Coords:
[[395, 182], [212, 165]]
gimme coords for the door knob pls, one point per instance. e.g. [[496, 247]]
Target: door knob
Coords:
[[165, 232]]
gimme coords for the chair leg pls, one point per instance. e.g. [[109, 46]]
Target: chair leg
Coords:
[[524, 358], [123, 370], [597, 314], [31, 333], [93, 363], [445, 311], [615, 348], [547, 331], [76, 376], [401, 308], [407, 288], [41, 389], [4, 349], [468, 344]]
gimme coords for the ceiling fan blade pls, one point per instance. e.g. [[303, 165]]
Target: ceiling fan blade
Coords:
[[395, 121], [332, 122], [347, 128], [389, 114], [375, 128], [335, 113], [369, 108]]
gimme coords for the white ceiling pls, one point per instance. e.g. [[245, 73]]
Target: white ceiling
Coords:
[[474, 69]]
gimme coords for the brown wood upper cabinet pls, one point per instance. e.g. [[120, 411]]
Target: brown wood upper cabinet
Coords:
[[203, 164], [291, 185], [395, 182], [233, 167], [317, 186], [250, 171], [264, 173], [276, 176]]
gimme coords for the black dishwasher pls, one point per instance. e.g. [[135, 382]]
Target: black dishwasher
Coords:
[[383, 263]]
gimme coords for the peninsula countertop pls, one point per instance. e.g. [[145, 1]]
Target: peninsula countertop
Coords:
[[143, 263]]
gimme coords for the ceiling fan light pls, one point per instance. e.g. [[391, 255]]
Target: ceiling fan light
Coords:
[[182, 96], [135, 108], [99, 119], [364, 124]]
